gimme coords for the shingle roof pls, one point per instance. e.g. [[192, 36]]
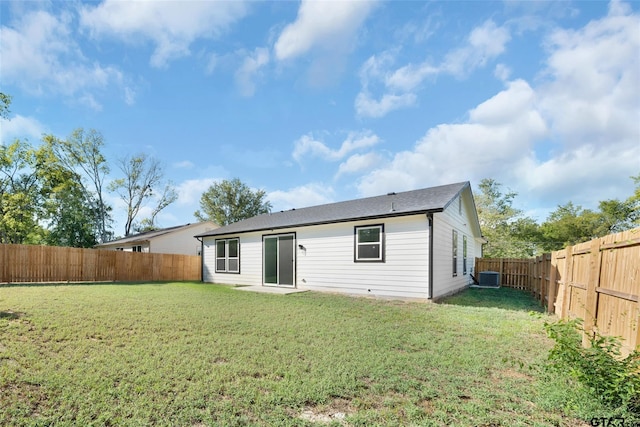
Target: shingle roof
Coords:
[[147, 235], [433, 199]]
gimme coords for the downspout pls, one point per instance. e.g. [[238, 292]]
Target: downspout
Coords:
[[430, 279], [201, 258]]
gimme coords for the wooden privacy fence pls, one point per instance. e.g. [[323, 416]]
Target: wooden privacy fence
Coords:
[[42, 264], [528, 274], [597, 281]]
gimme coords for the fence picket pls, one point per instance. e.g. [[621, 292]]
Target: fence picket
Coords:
[[42, 264], [598, 281]]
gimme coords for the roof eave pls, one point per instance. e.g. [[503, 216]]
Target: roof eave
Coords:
[[310, 224]]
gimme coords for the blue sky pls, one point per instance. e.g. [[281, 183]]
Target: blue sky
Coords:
[[315, 102]]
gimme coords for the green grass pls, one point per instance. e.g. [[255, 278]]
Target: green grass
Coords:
[[194, 354], [506, 298]]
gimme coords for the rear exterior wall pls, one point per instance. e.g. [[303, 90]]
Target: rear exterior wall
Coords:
[[325, 259]]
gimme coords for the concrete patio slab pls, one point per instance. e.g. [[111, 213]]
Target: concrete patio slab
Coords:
[[270, 290]]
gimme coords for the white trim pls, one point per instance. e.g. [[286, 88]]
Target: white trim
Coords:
[[293, 267], [380, 242]]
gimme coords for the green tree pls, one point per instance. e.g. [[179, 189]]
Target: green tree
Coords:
[[67, 208], [569, 225], [42, 198], [143, 175], [20, 195], [226, 202], [5, 102], [615, 216], [510, 233], [82, 152]]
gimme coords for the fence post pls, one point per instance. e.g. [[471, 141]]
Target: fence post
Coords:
[[591, 304], [568, 280], [543, 280], [3, 264], [553, 277], [637, 337]]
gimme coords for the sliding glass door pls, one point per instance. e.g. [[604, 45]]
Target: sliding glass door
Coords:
[[279, 260]]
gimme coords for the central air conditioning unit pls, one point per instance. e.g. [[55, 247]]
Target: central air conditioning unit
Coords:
[[490, 279]]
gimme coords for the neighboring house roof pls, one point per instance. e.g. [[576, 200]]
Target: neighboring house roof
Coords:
[[147, 235], [434, 199]]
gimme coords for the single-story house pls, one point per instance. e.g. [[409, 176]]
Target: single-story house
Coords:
[[172, 240], [416, 244]]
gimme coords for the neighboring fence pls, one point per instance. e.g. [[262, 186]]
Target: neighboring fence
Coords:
[[597, 281], [43, 264]]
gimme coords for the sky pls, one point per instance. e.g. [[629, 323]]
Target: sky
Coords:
[[323, 101]]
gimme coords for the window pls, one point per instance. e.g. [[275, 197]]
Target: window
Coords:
[[137, 248], [228, 256], [455, 253], [464, 255], [460, 205], [369, 243]]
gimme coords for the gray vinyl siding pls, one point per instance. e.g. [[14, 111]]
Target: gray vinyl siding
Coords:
[[180, 241], [324, 254], [327, 261], [250, 261], [444, 223], [328, 264]]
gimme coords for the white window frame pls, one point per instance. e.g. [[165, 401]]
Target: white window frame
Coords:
[[227, 257], [454, 244], [464, 255], [357, 243]]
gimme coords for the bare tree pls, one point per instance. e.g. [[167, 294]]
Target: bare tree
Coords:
[[143, 175]]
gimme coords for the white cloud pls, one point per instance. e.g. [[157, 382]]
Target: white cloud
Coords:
[[40, 55], [185, 164], [129, 96], [492, 137], [330, 25], [399, 86], [358, 163], [190, 191], [299, 197], [592, 93], [307, 145], [376, 68], [502, 72], [250, 70], [170, 26], [483, 44], [588, 174], [573, 137], [518, 101], [20, 127], [410, 76], [366, 106]]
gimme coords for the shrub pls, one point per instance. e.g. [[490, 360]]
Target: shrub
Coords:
[[610, 378]]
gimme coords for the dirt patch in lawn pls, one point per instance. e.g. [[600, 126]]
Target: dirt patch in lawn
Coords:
[[337, 410], [11, 315]]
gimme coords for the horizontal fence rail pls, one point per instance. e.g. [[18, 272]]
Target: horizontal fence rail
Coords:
[[597, 281], [44, 264]]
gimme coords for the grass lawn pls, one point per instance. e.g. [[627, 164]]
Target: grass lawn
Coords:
[[193, 354]]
